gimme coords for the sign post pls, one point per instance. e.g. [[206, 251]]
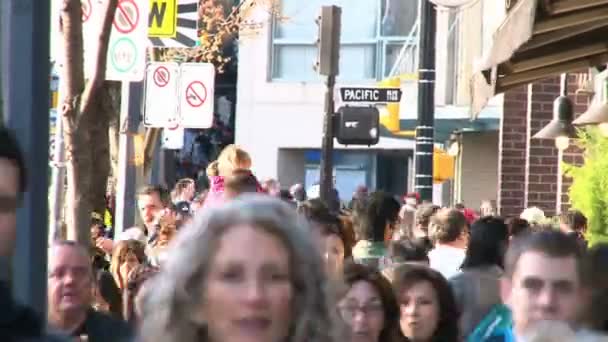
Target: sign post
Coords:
[[127, 63], [196, 95], [127, 46], [179, 95], [161, 97]]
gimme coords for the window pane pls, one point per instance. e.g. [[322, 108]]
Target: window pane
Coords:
[[398, 17], [407, 62], [359, 19], [294, 62], [357, 62], [299, 19]]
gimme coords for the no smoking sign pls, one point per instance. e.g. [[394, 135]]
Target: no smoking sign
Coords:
[[127, 16], [161, 76], [196, 94]]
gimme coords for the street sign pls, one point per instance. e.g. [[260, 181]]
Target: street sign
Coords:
[[196, 93], [161, 76], [173, 23], [173, 139], [128, 40], [161, 95], [91, 24], [127, 16], [370, 95]]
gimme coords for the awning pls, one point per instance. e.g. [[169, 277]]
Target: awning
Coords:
[[538, 39]]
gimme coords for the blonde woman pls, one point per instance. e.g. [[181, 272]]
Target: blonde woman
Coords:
[[230, 159]]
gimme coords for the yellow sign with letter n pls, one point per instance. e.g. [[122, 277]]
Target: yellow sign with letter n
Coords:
[[163, 19]]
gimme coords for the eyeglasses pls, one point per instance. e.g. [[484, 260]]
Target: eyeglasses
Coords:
[[349, 311]]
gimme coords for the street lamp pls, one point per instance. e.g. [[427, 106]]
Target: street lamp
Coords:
[[596, 114], [560, 128]]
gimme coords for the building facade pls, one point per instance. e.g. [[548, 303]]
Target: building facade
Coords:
[[279, 114]]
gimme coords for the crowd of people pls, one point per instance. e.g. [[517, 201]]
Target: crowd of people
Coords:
[[246, 261]]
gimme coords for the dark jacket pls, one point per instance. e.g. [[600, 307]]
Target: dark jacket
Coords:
[[99, 327], [21, 324]]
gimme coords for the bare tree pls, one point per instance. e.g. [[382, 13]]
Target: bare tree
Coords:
[[85, 117]]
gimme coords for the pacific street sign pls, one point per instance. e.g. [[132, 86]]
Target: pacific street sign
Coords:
[[366, 94]]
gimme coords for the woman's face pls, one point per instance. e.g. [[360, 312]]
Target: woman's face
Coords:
[[419, 308], [130, 262], [248, 295], [363, 311]]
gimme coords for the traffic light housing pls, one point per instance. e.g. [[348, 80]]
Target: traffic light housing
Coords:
[[328, 41], [358, 126]]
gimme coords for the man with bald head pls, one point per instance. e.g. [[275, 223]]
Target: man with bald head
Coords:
[[70, 284]]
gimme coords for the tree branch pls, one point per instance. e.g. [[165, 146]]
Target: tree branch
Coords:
[[99, 73], [73, 69]]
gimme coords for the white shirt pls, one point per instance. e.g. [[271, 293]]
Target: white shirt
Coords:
[[446, 260]]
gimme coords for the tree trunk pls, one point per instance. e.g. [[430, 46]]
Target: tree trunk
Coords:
[[100, 150], [83, 117]]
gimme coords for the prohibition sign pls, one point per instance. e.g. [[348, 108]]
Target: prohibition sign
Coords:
[[86, 10], [196, 94], [127, 16], [161, 76]]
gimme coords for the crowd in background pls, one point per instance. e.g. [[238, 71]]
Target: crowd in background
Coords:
[[247, 261]]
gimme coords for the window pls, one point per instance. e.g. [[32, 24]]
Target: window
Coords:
[[373, 33]]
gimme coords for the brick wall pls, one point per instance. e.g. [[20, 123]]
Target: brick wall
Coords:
[[528, 169], [542, 158], [512, 145]]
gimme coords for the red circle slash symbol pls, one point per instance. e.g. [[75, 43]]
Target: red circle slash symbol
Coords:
[[86, 10], [127, 16], [161, 76], [196, 94]]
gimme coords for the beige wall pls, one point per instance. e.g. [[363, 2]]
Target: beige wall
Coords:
[[479, 168]]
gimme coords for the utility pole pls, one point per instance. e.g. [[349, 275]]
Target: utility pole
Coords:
[[425, 128], [130, 112], [329, 23], [25, 90]]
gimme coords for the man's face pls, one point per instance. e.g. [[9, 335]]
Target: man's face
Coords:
[[9, 199], [70, 280], [150, 207], [542, 288]]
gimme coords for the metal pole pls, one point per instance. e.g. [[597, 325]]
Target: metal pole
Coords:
[[327, 147], [130, 111], [25, 76], [57, 184], [425, 130]]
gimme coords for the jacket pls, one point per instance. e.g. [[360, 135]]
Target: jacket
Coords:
[[21, 324], [99, 327], [215, 196], [476, 291]]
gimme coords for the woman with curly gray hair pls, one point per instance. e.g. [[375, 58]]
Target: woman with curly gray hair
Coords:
[[244, 271]]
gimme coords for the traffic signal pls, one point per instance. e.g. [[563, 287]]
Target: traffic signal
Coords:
[[328, 41], [358, 125]]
